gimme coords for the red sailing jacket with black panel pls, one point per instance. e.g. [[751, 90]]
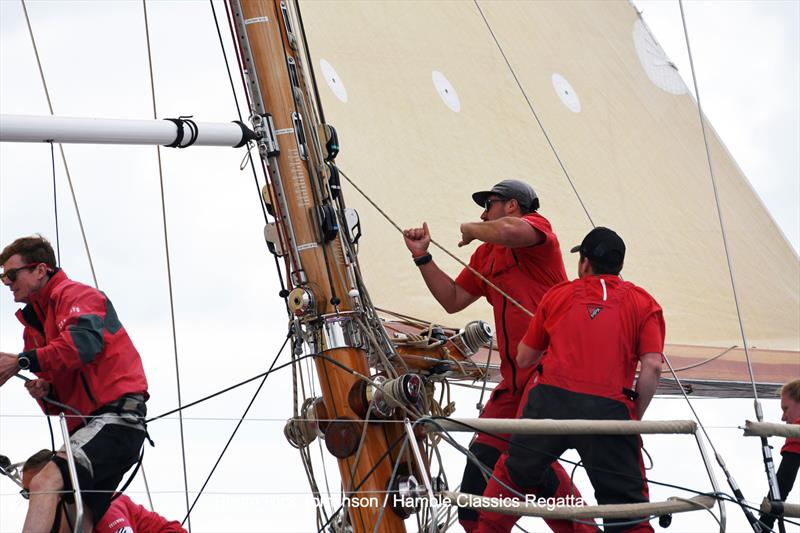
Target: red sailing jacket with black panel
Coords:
[[75, 341]]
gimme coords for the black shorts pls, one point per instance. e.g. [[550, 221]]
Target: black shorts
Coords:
[[104, 450]]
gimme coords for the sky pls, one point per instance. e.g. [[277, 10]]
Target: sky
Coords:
[[228, 320]]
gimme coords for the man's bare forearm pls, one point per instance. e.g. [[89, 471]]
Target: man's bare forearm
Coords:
[[446, 291], [508, 231], [647, 383]]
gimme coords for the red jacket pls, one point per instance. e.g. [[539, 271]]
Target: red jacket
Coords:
[[792, 444], [75, 341], [525, 274], [125, 515], [595, 329]]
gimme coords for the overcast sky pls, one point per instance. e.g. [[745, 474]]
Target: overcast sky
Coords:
[[229, 322]]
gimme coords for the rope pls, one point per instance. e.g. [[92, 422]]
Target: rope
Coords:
[[706, 361], [535, 115], [236, 429], [169, 267], [223, 391], [527, 426], [439, 246], [567, 512], [55, 202], [771, 429], [60, 147], [771, 480], [719, 214]]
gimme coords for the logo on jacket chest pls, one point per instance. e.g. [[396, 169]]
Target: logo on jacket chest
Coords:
[[593, 311]]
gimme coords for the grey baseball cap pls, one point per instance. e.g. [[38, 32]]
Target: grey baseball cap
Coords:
[[518, 190]]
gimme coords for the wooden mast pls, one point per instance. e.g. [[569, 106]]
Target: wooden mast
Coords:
[[322, 281]]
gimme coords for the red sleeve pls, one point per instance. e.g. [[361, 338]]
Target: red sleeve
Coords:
[[792, 445], [540, 223], [80, 318], [536, 336], [116, 517], [653, 330], [468, 281]]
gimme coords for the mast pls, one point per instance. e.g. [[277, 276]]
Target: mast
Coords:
[[324, 295]]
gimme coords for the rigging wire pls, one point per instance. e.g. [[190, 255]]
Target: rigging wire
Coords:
[[169, 268], [236, 429], [60, 146], [449, 438], [766, 454], [535, 114], [55, 202], [714, 185]]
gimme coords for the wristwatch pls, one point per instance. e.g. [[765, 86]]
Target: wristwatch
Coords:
[[23, 362]]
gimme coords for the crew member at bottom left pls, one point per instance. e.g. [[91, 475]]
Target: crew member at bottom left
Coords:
[[85, 361]]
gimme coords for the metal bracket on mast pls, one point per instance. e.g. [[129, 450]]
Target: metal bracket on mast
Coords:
[[265, 131]]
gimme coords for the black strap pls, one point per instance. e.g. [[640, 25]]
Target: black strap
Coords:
[[631, 394], [180, 122], [179, 137]]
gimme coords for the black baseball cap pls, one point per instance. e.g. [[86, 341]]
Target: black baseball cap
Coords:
[[518, 190], [602, 246]]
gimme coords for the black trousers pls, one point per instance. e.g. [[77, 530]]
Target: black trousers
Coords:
[[613, 462]]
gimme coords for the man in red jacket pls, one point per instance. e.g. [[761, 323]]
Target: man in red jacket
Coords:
[[123, 515], [790, 452], [589, 335], [520, 255], [83, 358]]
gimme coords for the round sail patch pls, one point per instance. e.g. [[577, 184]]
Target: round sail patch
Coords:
[[446, 91], [661, 71], [567, 94], [333, 80]]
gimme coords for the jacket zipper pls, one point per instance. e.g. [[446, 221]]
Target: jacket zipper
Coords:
[[86, 388], [505, 342]]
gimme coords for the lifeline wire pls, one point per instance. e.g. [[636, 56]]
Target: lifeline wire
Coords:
[[236, 429], [535, 115], [169, 269], [60, 146]]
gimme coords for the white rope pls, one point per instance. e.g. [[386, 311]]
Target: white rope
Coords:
[[562, 427], [514, 506], [771, 429]]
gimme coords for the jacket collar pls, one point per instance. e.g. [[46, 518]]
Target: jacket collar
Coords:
[[34, 311]]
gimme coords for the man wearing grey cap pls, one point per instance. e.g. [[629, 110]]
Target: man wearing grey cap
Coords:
[[589, 336], [519, 254]]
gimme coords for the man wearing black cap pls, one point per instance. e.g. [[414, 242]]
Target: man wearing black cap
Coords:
[[595, 331], [520, 254]]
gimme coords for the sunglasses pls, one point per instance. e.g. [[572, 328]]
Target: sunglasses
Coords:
[[488, 203], [12, 273]]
